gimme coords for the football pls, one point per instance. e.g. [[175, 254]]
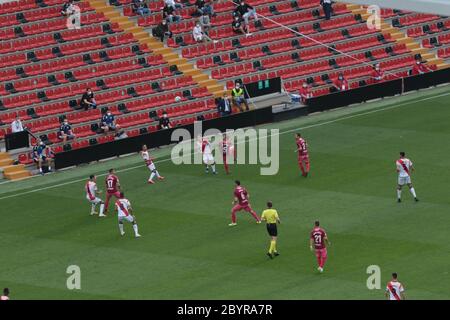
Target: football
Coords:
[[177, 99]]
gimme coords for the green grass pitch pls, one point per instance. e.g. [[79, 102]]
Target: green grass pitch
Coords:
[[187, 250]]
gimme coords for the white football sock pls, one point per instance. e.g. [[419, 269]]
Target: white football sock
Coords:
[[213, 166], [152, 176], [102, 207], [157, 173], [121, 227], [413, 192], [399, 194], [135, 227], [92, 208]]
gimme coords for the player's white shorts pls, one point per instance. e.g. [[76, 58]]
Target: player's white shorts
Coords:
[[208, 158], [151, 167], [198, 37], [128, 218], [404, 180], [96, 200]]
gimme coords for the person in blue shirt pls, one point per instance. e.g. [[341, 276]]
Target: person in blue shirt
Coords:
[[65, 131], [41, 155], [109, 122]]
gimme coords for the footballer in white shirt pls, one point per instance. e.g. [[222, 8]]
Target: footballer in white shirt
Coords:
[[394, 289], [204, 146], [124, 213], [404, 169], [91, 195], [150, 165]]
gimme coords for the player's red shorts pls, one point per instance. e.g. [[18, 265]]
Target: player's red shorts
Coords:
[[303, 158], [115, 193], [239, 207], [321, 253]]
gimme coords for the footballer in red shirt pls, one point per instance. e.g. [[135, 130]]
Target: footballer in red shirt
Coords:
[[303, 156], [318, 241], [112, 187], [227, 148], [241, 203]]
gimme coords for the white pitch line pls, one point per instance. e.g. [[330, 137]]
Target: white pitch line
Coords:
[[284, 132]]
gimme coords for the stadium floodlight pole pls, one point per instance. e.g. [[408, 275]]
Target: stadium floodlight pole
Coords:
[[316, 41]]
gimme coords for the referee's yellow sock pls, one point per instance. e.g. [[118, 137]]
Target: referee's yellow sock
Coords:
[[272, 247]]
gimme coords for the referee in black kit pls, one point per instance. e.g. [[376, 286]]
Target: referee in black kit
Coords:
[[271, 217]]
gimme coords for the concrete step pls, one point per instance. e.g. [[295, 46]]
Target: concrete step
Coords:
[[4, 155], [5, 162], [18, 175], [13, 168]]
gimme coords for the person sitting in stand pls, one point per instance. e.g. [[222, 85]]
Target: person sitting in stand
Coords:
[[40, 156], [16, 125], [108, 123], [246, 11], [238, 25], [205, 22], [305, 93], [140, 7], [87, 100], [199, 6], [341, 84], [68, 8], [175, 5], [377, 74], [238, 97], [169, 14], [199, 35], [209, 9], [419, 68], [164, 121], [162, 30], [224, 105], [65, 131]]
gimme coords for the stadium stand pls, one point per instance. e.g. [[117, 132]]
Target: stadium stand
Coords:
[[45, 68]]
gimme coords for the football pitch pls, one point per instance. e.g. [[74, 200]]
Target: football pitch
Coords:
[[188, 251]]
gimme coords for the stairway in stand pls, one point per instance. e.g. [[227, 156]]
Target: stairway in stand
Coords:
[[157, 47], [10, 171]]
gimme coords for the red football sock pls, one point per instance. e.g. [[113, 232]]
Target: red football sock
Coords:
[[323, 261], [253, 213], [108, 196], [319, 261], [302, 168], [307, 167], [233, 216]]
